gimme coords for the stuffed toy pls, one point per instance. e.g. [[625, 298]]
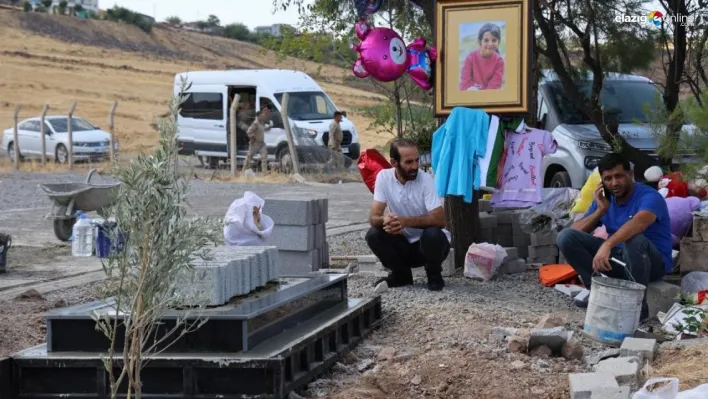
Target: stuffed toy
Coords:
[[587, 194], [384, 56], [681, 216], [669, 185]]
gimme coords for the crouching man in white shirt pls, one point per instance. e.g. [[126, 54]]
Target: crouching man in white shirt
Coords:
[[412, 234]]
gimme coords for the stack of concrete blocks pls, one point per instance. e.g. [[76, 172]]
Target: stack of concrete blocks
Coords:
[[232, 271], [509, 232], [300, 232], [693, 249], [501, 233], [543, 248], [615, 377], [512, 263]]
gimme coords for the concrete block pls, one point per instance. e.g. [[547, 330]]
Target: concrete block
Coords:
[[512, 253], [661, 296], [692, 255], [547, 251], [700, 229], [553, 338], [448, 265], [487, 221], [504, 230], [505, 240], [320, 235], [293, 238], [324, 210], [291, 211], [624, 369], [521, 240], [513, 267], [523, 251], [485, 206], [486, 235], [644, 349], [547, 260], [561, 258], [299, 263], [543, 239], [612, 393], [324, 257], [583, 385]]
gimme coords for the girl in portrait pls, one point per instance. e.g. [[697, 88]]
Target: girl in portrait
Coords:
[[483, 68]]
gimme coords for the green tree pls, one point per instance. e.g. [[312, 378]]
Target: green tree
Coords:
[[237, 31], [26, 6], [174, 20], [14, 2], [213, 21], [47, 3], [62, 7]]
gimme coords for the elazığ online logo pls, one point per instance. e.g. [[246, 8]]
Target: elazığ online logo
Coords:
[[655, 17]]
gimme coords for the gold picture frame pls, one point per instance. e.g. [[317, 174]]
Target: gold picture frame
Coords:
[[485, 55]]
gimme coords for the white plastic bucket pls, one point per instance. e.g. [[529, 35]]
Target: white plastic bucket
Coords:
[[614, 309]]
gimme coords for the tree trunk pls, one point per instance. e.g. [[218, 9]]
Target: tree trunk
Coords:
[[463, 224]]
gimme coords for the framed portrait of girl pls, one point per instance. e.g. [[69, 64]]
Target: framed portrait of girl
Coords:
[[485, 55]]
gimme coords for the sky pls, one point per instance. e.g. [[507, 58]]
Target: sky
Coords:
[[252, 13]]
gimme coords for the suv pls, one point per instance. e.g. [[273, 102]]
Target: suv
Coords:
[[580, 145]]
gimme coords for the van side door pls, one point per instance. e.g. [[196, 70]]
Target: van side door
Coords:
[[276, 134], [203, 118]]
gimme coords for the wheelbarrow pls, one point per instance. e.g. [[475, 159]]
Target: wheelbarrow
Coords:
[[68, 198]]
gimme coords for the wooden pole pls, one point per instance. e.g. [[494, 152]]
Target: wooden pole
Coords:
[[43, 133], [71, 134], [16, 138], [289, 134], [111, 127], [232, 133]]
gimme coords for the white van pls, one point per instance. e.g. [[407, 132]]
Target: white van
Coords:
[[203, 120]]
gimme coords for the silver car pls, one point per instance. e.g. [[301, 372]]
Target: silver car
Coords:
[[580, 145], [90, 142]]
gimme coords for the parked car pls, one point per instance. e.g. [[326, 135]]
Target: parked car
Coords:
[[90, 142], [204, 125], [580, 145]]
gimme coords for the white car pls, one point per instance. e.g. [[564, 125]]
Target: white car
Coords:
[[90, 142]]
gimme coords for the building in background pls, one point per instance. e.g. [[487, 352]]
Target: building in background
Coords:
[[273, 30]]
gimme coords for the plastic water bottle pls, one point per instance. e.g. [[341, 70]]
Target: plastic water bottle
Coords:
[[82, 241]]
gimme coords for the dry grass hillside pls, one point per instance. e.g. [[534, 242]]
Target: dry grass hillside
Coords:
[[56, 60]]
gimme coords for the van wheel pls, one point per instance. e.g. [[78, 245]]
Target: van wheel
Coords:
[[285, 161], [561, 180]]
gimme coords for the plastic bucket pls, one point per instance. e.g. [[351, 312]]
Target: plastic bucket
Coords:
[[104, 245], [614, 309], [5, 242]]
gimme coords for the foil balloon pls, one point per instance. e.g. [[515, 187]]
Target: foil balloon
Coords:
[[384, 56], [365, 8]]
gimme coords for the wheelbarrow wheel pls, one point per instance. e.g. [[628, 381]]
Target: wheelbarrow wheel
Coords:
[[63, 228]]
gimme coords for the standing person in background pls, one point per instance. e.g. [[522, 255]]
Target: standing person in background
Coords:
[[256, 139], [483, 68], [335, 141], [413, 233]]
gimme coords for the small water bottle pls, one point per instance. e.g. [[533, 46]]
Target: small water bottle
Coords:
[[82, 241]]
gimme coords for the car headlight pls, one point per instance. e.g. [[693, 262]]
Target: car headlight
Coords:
[[592, 146], [304, 132]]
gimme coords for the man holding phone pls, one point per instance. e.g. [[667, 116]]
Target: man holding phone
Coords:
[[637, 222]]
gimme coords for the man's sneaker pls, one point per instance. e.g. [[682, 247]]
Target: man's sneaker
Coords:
[[398, 279], [435, 282]]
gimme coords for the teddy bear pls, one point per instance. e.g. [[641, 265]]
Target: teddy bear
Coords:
[[384, 56]]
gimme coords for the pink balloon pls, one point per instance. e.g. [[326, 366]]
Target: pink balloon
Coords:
[[384, 56]]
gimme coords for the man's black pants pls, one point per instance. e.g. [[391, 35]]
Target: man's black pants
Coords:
[[397, 254]]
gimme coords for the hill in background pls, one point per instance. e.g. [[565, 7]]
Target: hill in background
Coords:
[[53, 59]]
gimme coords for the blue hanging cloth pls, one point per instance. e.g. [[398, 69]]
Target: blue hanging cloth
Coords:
[[457, 146]]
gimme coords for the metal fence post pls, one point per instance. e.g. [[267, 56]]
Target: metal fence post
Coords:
[[43, 133], [289, 134], [111, 115], [232, 133], [69, 124], [15, 138]]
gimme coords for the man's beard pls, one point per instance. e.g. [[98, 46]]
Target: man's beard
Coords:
[[407, 176]]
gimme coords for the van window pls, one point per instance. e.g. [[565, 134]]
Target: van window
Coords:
[[308, 106], [626, 99], [203, 106]]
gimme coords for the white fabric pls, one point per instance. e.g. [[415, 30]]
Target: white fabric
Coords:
[[484, 162], [240, 228], [415, 198]]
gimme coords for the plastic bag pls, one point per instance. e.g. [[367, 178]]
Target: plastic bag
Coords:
[[240, 226], [694, 287], [370, 163], [552, 214], [658, 388], [483, 260], [699, 392], [587, 194]]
